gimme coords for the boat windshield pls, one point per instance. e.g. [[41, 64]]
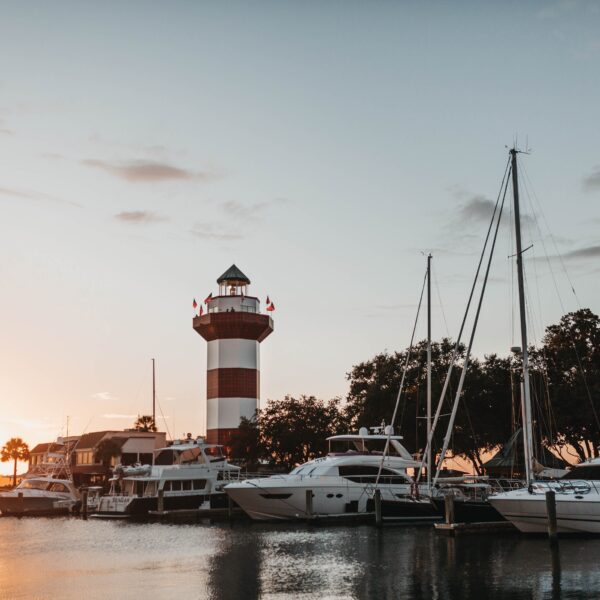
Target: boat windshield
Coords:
[[32, 484], [361, 446], [214, 452]]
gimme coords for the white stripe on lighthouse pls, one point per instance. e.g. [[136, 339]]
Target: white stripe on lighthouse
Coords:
[[233, 354], [225, 413]]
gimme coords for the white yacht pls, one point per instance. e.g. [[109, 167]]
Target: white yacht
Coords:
[[40, 496], [577, 502], [342, 483], [190, 474]]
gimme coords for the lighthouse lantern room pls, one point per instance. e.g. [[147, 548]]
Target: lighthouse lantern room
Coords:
[[233, 328]]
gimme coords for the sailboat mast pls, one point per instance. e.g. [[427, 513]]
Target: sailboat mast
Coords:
[[429, 461], [153, 394], [525, 393]]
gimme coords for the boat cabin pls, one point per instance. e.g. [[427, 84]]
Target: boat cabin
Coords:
[[189, 452], [365, 444]]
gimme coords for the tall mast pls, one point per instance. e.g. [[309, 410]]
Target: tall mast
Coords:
[[153, 394], [429, 463], [525, 391]]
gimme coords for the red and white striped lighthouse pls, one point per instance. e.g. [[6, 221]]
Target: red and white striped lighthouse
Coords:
[[233, 328]]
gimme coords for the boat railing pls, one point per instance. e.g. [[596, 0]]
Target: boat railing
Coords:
[[567, 486], [478, 488]]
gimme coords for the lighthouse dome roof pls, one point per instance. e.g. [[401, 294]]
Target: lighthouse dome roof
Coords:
[[234, 276]]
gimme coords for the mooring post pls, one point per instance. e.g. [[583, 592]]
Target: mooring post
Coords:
[[229, 507], [161, 501], [377, 500], [84, 504], [449, 506], [21, 502], [551, 513], [309, 504]]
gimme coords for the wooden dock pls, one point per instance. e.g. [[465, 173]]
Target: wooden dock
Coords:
[[475, 528]]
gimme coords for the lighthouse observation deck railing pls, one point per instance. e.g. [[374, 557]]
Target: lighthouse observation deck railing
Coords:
[[243, 309]]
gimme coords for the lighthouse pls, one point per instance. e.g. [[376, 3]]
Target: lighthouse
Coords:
[[234, 328]]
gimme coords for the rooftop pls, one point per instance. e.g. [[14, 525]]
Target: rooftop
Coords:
[[233, 275]]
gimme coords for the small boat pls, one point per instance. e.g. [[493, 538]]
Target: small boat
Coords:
[[188, 475], [40, 496]]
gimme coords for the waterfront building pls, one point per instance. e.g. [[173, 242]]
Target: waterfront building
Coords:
[[234, 328]]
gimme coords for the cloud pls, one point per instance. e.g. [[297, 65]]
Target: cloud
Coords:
[[145, 170], [592, 181], [119, 416], [215, 231], [140, 217], [36, 196], [587, 252], [6, 131], [476, 209], [28, 424], [104, 396]]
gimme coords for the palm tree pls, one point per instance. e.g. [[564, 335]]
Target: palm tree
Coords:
[[145, 423], [15, 449]]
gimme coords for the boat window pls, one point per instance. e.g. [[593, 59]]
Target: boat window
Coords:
[[174, 486], [150, 489], [187, 485], [368, 474], [164, 457], [589, 472], [58, 487], [33, 484], [199, 484]]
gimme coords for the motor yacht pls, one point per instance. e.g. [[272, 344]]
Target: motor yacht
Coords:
[[40, 496], [189, 474], [341, 484]]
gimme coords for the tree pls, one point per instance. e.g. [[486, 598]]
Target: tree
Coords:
[[570, 363], [245, 443], [16, 450], [106, 450], [294, 430], [145, 423]]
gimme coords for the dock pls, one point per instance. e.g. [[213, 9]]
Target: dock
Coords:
[[454, 529], [196, 514]]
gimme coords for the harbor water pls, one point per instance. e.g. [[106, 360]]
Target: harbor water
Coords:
[[75, 559]]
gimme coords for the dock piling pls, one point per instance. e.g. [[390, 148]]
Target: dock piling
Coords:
[[378, 514], [84, 504], [449, 508], [161, 501], [551, 513]]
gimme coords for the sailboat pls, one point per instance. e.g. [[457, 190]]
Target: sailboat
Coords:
[[577, 500]]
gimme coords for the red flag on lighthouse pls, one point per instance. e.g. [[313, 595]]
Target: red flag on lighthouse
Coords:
[[208, 298], [271, 307], [194, 304], [268, 301], [201, 311]]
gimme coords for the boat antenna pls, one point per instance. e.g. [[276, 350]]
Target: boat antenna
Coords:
[[525, 389]]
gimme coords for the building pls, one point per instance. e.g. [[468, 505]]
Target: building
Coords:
[[234, 329], [124, 447]]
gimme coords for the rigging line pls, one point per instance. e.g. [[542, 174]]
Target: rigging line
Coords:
[[408, 354], [552, 238], [437, 289], [471, 339], [163, 418], [456, 350], [562, 306]]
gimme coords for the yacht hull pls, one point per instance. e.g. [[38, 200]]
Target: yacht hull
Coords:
[[574, 513], [34, 506], [140, 507], [272, 499], [470, 511]]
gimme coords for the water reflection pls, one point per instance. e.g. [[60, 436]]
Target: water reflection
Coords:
[[68, 558]]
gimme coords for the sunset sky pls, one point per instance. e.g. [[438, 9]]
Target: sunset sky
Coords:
[[320, 146]]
